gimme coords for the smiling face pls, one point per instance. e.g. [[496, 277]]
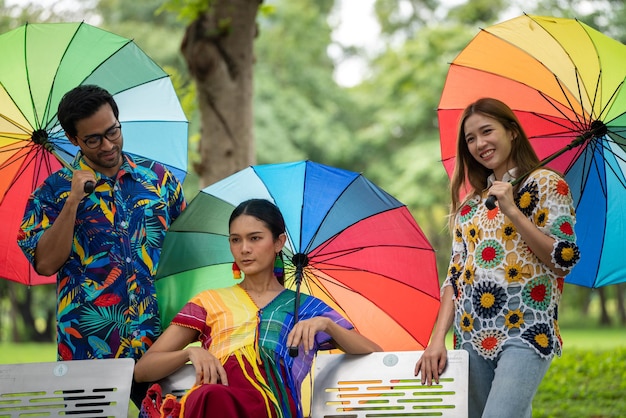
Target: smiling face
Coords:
[[107, 157], [253, 246], [489, 143]]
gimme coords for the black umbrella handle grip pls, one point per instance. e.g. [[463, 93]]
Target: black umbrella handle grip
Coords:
[[293, 351], [89, 187], [491, 202]]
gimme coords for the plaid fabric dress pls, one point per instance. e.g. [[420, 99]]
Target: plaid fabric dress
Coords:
[[251, 343]]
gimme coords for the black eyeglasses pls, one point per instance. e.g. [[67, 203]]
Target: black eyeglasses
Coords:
[[112, 134]]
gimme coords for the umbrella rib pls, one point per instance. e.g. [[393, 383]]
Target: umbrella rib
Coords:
[[21, 170], [563, 134], [578, 121], [580, 98], [27, 68], [336, 254], [22, 128], [49, 96], [339, 267], [328, 211], [611, 99], [593, 165], [331, 239], [613, 170], [13, 149]]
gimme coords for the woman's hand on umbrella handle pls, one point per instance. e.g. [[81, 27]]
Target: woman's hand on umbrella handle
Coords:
[[502, 191], [303, 333]]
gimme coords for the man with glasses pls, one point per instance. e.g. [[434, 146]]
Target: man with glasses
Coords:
[[103, 245]]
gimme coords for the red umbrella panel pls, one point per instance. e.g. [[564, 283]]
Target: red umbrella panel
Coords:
[[359, 248]]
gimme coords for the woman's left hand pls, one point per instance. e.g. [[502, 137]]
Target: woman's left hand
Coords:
[[303, 333]]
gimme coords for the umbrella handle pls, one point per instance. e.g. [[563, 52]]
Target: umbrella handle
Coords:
[[490, 202], [300, 261], [41, 137], [89, 187], [293, 351]]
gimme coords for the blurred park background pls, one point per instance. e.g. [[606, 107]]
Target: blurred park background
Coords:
[[322, 94]]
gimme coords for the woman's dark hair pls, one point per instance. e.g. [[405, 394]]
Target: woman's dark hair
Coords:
[[82, 102], [266, 212]]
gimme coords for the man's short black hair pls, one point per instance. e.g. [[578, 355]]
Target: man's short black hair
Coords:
[[82, 102]]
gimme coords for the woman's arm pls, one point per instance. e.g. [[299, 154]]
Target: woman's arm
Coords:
[[166, 355], [540, 244], [433, 360], [349, 340], [171, 351]]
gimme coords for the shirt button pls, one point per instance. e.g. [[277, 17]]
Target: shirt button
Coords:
[[123, 224], [128, 259]]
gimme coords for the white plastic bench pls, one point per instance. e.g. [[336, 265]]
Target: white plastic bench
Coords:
[[79, 388], [378, 384], [179, 382], [383, 385]]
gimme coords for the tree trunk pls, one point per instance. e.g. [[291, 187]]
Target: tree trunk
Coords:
[[218, 49], [23, 318], [605, 319], [619, 294]]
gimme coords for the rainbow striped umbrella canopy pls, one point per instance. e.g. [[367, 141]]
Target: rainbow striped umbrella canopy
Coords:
[[360, 249], [40, 63], [565, 82]]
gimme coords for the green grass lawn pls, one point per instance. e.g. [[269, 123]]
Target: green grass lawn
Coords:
[[588, 381]]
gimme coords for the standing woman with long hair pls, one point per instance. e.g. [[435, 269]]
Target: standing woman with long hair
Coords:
[[507, 266]]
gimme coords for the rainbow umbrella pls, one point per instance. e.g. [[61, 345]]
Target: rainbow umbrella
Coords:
[[40, 63], [359, 249], [565, 82]]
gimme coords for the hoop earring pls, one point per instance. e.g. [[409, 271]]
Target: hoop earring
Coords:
[[236, 271], [279, 266]]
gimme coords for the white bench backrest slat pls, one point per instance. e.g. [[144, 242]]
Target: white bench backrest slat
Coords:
[[78, 388], [383, 385]]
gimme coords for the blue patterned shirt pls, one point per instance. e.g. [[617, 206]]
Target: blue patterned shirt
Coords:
[[106, 306]]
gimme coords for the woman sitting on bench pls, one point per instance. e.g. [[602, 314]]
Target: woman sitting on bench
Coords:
[[243, 367]]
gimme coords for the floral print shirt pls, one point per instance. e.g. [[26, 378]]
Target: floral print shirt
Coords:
[[106, 299], [502, 290]]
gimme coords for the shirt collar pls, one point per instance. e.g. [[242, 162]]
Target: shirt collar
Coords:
[[128, 165], [509, 176]]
